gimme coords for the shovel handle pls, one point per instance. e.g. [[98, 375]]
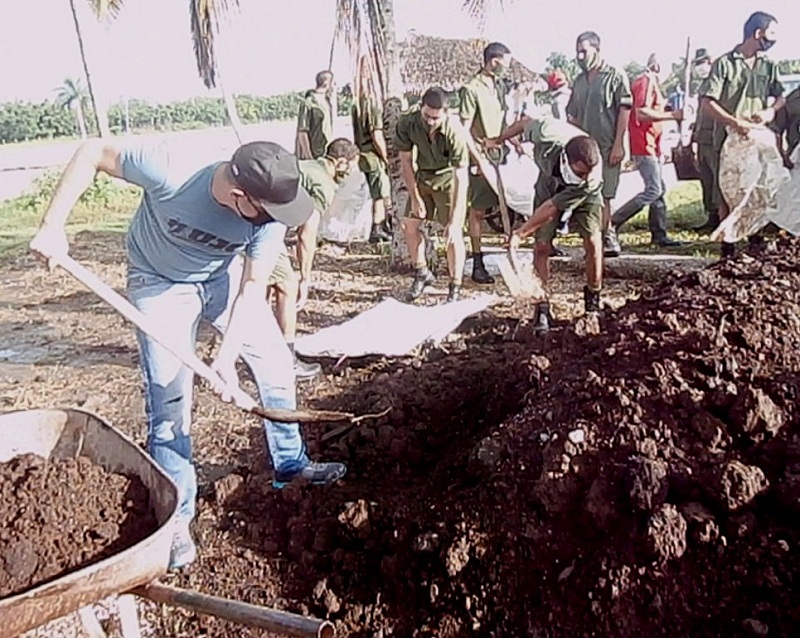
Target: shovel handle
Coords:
[[185, 356], [146, 324], [280, 622]]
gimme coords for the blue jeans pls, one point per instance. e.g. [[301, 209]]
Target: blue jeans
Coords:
[[649, 168], [168, 384]]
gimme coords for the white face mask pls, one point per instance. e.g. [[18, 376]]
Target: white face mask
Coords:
[[567, 174], [703, 70]]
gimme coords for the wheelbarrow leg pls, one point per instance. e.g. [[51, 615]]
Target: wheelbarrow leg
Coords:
[[89, 623], [128, 616]]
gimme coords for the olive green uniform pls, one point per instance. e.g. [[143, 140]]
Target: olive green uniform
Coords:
[[316, 179], [595, 107], [367, 118], [707, 160], [483, 102], [437, 157], [742, 92], [549, 137], [318, 183], [314, 118], [787, 120]]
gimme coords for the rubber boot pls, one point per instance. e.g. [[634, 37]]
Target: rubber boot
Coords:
[[611, 247], [453, 292], [479, 273], [541, 319], [591, 300], [422, 279], [727, 250]]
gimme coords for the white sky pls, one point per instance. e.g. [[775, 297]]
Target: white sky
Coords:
[[272, 46]]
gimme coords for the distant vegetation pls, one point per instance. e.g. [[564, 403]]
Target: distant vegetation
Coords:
[[24, 121]]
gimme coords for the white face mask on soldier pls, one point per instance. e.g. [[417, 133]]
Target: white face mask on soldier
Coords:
[[567, 174], [703, 70]]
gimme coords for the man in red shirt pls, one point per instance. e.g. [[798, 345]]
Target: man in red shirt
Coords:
[[645, 140]]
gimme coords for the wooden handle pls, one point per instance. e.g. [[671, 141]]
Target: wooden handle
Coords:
[[281, 622], [185, 356]]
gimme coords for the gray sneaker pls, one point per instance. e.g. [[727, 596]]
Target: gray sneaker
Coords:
[[314, 473], [305, 371], [184, 551], [611, 247]]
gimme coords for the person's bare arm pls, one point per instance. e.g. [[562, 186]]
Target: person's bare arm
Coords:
[[541, 216], [248, 304], [714, 110], [92, 157], [307, 245], [303, 144], [618, 152], [379, 139], [511, 132], [655, 115]]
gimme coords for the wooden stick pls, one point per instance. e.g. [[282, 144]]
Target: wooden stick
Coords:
[[89, 624], [281, 622]]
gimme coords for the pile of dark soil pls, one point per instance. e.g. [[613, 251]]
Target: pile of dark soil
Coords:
[[58, 515], [633, 476]]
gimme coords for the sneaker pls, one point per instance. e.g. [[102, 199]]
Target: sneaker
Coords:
[[183, 552], [611, 247], [314, 473], [304, 371], [541, 320], [453, 292], [479, 273], [378, 234], [422, 280], [591, 300]]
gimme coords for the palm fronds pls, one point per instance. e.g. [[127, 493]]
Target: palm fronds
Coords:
[[205, 17]]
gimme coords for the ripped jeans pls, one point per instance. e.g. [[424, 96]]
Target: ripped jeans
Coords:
[[168, 384]]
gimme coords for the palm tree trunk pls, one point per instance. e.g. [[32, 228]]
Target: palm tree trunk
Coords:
[[100, 116], [80, 117], [230, 107]]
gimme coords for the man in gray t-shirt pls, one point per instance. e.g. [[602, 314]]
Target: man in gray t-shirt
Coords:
[[182, 267]]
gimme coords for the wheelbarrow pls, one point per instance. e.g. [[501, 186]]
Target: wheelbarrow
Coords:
[[135, 570]]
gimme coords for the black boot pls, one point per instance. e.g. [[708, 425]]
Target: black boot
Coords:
[[422, 279], [453, 292], [479, 273], [541, 320], [710, 224], [591, 300], [379, 233], [727, 250]]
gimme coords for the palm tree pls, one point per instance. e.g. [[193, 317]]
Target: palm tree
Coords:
[[205, 16], [105, 9], [367, 28], [72, 94]]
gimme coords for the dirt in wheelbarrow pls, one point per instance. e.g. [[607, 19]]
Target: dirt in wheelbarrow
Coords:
[[57, 515], [632, 475]]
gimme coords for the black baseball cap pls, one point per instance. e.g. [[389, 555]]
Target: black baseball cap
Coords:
[[270, 174]]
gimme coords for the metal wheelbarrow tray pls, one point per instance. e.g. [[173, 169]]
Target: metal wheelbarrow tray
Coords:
[[66, 434]]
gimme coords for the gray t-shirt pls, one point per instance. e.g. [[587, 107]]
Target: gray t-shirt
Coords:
[[180, 231]]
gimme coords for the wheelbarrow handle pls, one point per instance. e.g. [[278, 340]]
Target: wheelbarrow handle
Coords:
[[185, 356], [280, 622]]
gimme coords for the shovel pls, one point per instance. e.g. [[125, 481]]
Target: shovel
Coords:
[[189, 358], [519, 278]]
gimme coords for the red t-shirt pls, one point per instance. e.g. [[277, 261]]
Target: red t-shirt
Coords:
[[645, 137]]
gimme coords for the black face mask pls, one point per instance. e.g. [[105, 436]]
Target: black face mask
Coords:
[[259, 220], [766, 44]]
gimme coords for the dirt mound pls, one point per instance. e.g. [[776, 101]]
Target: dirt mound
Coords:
[[58, 515], [634, 476]]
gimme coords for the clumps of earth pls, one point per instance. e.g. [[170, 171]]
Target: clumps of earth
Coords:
[[633, 476]]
